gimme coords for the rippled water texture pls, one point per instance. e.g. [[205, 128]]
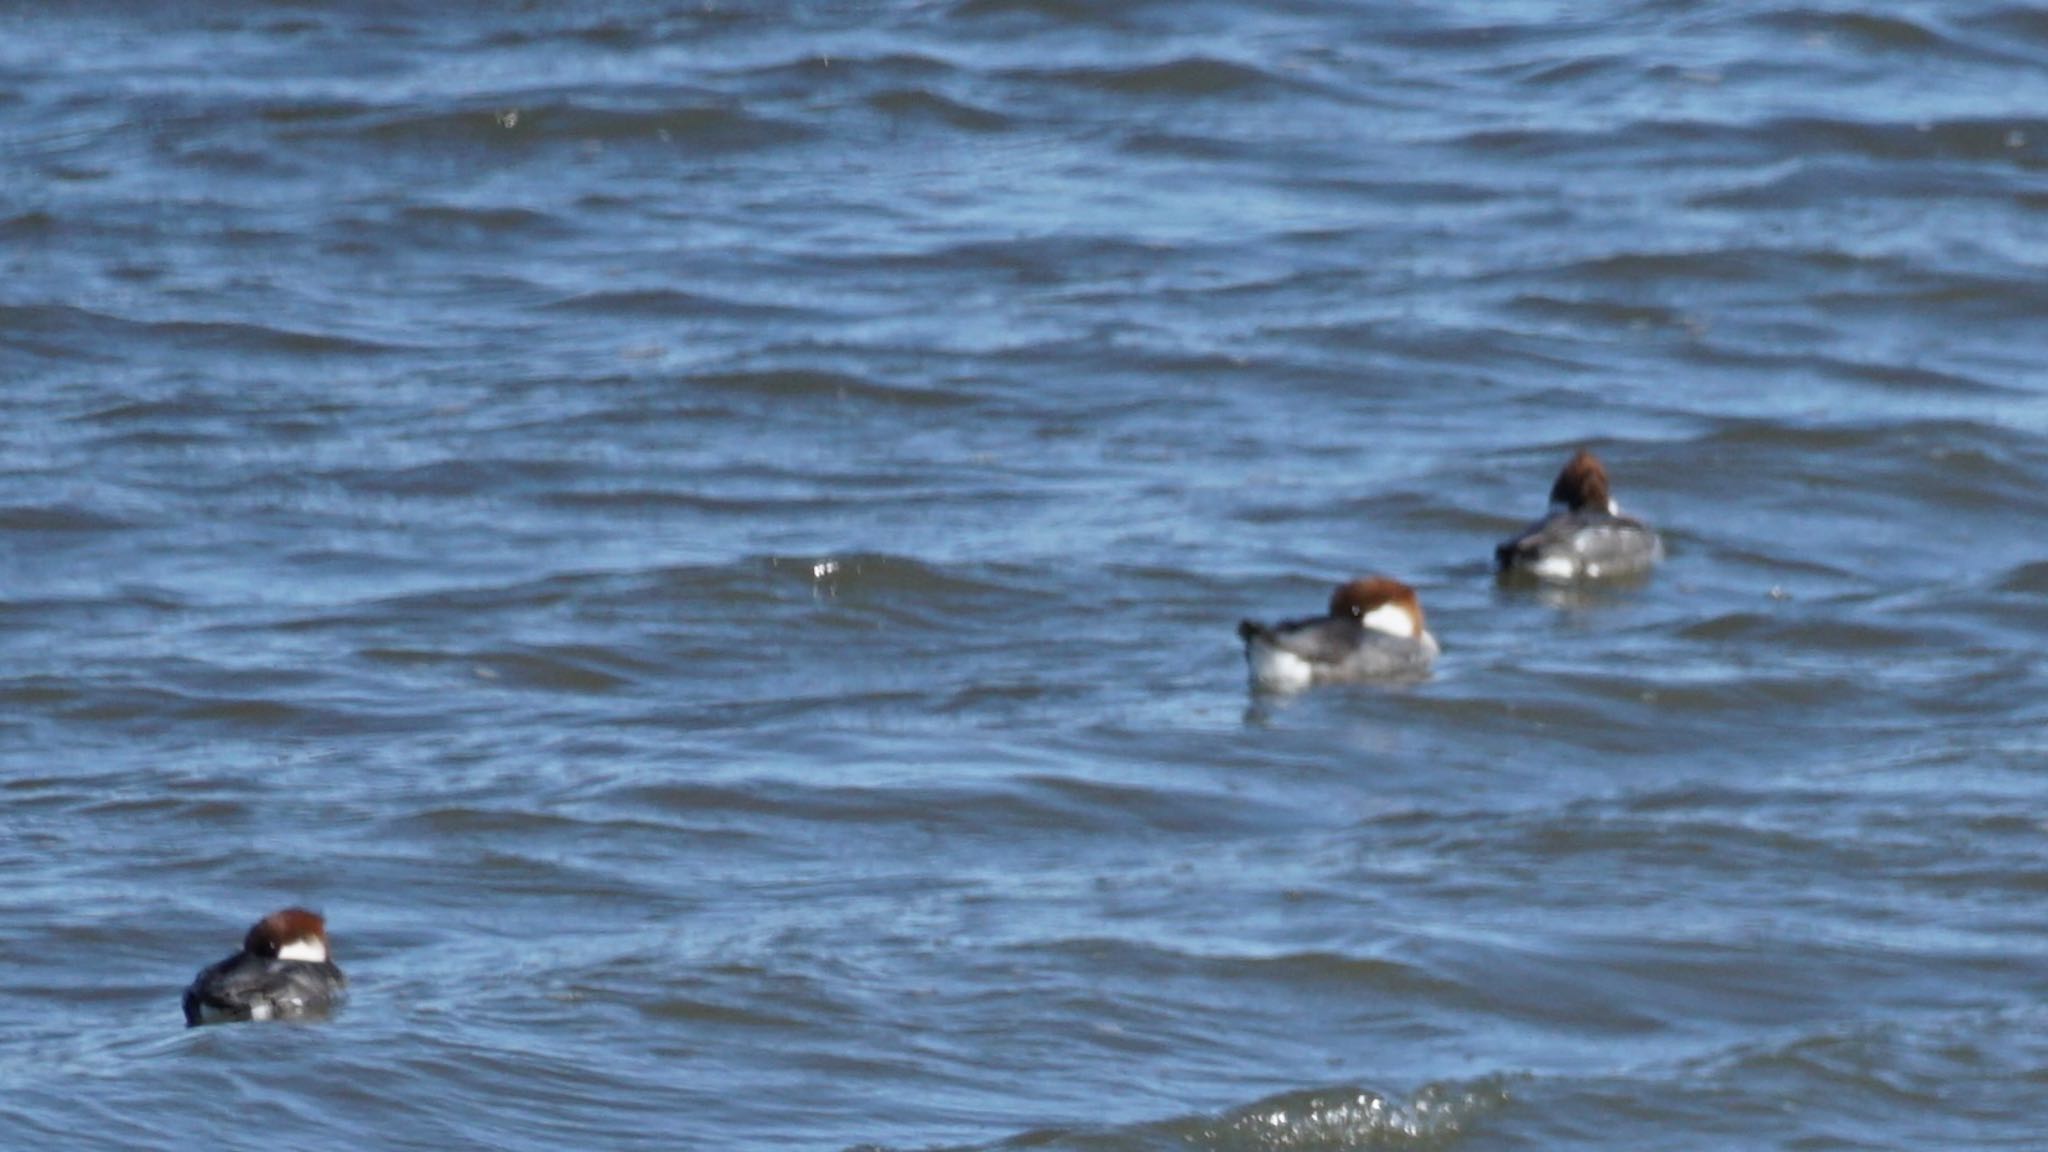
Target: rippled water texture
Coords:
[[708, 539]]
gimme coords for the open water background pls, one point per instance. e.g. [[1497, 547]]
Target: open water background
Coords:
[[707, 537]]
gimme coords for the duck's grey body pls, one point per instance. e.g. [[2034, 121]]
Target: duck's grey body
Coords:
[[1324, 649], [1587, 544]]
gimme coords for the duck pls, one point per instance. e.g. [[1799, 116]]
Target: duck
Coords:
[[284, 971], [1584, 536], [1373, 630]]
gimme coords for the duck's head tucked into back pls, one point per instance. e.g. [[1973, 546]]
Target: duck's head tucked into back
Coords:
[[293, 934], [1582, 486], [1382, 604]]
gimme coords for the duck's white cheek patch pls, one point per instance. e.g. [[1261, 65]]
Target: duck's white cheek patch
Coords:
[[310, 950], [1391, 619]]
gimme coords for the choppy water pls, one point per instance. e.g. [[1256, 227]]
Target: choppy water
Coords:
[[707, 540]]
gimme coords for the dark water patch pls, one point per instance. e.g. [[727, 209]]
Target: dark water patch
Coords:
[[516, 123], [181, 408], [525, 223], [1911, 378], [687, 25], [1737, 691], [1964, 298], [232, 161], [1810, 184], [1157, 141], [1964, 467], [807, 70], [1877, 31], [802, 384], [1751, 982], [1059, 806], [1841, 636], [1421, 189], [559, 668], [256, 713], [59, 518], [468, 477], [1683, 832], [541, 871], [694, 1012], [1857, 1066], [1895, 442], [1549, 72], [168, 439], [30, 226], [2029, 579], [264, 339], [886, 575], [1036, 259], [40, 692], [1806, 139], [924, 104], [62, 332], [667, 303], [627, 499], [701, 799], [1846, 1071], [151, 708], [1192, 77], [735, 585], [663, 500], [1352, 977], [75, 173], [1079, 13], [2001, 140], [1599, 313], [300, 111], [521, 824], [1724, 263], [1182, 810], [613, 35], [202, 812], [2024, 23]]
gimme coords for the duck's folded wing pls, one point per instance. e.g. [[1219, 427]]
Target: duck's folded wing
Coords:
[[1318, 640], [1539, 539]]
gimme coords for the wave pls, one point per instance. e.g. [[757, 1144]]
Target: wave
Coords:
[[924, 104], [809, 383], [1805, 139], [1333, 1119], [58, 518], [1077, 12], [1192, 76], [521, 120], [575, 668], [665, 303], [525, 222]]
